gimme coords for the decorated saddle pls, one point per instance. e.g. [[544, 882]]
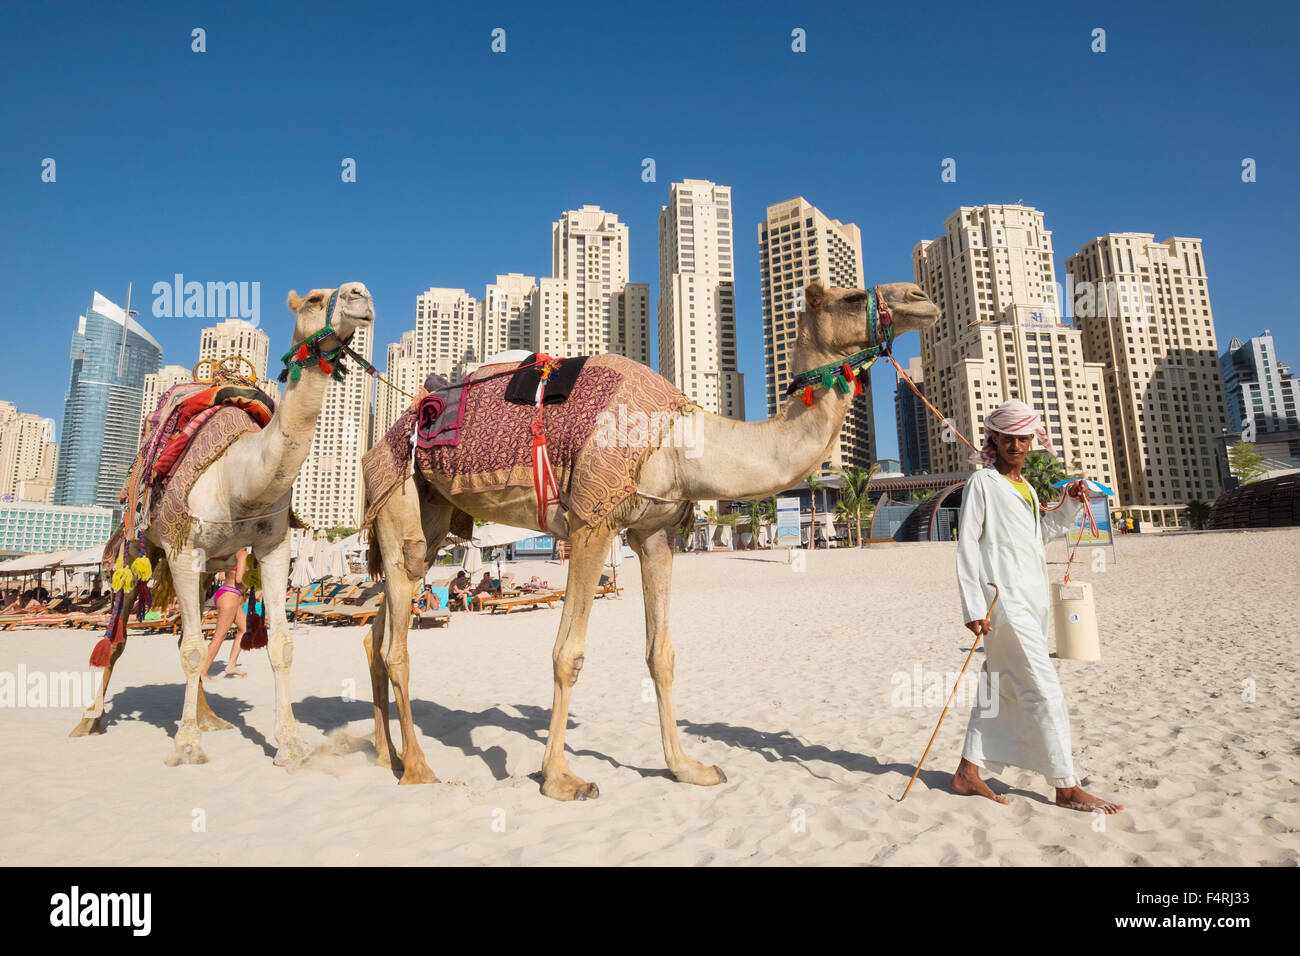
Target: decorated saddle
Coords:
[[596, 464]]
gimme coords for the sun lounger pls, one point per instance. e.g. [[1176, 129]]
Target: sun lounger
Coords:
[[535, 599]]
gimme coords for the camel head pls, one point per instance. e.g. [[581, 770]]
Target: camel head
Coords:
[[353, 309], [836, 319]]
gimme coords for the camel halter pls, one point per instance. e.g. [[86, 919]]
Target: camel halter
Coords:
[[880, 333], [311, 350]]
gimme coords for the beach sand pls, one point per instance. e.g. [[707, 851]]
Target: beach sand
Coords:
[[785, 679]]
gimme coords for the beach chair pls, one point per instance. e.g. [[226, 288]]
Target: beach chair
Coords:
[[536, 599], [606, 586]]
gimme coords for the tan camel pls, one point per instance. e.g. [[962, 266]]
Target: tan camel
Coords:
[[732, 460], [242, 501]]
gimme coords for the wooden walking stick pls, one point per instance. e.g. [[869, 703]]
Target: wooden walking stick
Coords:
[[987, 618]]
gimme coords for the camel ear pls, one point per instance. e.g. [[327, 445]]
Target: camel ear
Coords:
[[814, 296], [294, 302]]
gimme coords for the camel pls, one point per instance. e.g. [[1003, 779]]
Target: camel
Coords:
[[242, 500], [732, 459]]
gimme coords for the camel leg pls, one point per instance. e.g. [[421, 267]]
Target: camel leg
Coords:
[[410, 534], [275, 581], [385, 752], [188, 749], [92, 721], [588, 548], [654, 549]]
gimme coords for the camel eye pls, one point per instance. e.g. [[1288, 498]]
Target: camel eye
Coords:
[[857, 298]]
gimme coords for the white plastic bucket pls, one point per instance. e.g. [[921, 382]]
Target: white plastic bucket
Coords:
[[1075, 617]]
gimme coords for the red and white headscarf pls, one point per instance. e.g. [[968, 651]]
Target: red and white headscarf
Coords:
[[1012, 417]]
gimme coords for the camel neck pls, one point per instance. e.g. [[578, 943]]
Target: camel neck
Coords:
[[278, 450]]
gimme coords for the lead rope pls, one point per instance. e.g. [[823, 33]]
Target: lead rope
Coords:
[[544, 487]]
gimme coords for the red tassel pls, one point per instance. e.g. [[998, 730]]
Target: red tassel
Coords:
[[302, 352], [846, 372], [102, 655], [857, 385], [325, 367], [807, 395]]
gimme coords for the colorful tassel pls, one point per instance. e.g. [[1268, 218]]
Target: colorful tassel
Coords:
[[842, 385], [295, 373], [324, 366], [846, 372], [102, 655], [141, 568], [302, 353], [807, 395], [857, 385], [827, 377]]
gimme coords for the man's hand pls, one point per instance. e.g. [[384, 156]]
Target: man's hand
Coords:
[[979, 627], [1077, 489]]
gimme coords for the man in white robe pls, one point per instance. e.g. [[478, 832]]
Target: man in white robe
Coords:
[[1002, 538]]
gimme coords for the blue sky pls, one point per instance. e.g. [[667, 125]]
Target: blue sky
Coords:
[[225, 165]]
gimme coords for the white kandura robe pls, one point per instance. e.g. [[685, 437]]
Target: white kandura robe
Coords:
[[1002, 538]]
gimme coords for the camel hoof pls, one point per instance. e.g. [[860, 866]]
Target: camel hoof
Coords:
[[701, 776], [569, 787], [418, 775], [88, 726], [186, 754], [290, 753], [389, 761]]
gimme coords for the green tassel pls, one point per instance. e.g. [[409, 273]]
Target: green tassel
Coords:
[[827, 378], [841, 384], [295, 373]]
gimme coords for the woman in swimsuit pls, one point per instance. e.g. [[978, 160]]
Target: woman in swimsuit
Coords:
[[230, 609]]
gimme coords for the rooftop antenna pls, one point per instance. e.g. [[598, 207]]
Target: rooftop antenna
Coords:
[[126, 322]]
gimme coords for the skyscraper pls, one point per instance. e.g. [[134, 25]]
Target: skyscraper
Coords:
[[1144, 309], [697, 297], [328, 492], [111, 354], [1258, 388], [235, 337], [913, 421], [799, 244], [28, 456], [1000, 337], [589, 306]]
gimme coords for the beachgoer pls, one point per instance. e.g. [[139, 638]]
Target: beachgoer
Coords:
[[229, 599], [1003, 539], [460, 591]]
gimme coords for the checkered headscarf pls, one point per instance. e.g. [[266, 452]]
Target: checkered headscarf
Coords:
[[1012, 418]]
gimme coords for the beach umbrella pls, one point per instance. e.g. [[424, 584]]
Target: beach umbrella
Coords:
[[1092, 485], [498, 535], [300, 577], [473, 560]]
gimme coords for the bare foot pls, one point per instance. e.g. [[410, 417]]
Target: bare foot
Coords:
[[966, 781], [1075, 798]]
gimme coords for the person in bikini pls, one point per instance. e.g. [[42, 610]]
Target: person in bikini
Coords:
[[229, 599]]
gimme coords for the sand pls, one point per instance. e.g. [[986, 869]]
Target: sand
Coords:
[[785, 679]]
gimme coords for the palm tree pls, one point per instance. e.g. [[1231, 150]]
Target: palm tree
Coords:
[[814, 483], [761, 511], [855, 497], [922, 493], [1042, 471], [1198, 514]]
